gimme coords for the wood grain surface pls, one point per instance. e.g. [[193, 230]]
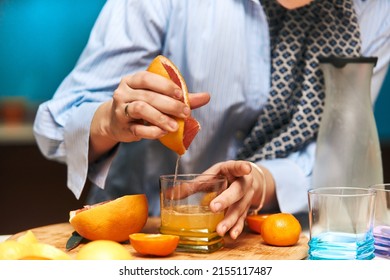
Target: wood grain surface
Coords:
[[248, 246]]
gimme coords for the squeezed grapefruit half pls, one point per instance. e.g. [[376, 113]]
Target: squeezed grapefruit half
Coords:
[[180, 140]]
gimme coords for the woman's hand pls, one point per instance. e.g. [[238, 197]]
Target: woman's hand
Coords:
[[142, 107], [245, 189]]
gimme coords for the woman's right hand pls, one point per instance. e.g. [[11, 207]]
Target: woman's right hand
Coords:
[[142, 107]]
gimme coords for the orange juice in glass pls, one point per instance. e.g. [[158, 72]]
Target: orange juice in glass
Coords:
[[185, 211]]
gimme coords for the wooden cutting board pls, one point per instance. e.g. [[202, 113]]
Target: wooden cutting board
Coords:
[[248, 246]]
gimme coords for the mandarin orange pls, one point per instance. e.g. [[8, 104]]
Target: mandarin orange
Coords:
[[281, 229], [154, 244], [254, 222], [111, 220], [180, 140]]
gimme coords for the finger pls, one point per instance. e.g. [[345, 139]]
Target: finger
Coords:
[[231, 168], [228, 197], [198, 99], [233, 220], [154, 82], [159, 102], [236, 230], [140, 131], [140, 110], [236, 168], [185, 189]]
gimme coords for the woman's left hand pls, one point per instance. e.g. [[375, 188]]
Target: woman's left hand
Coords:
[[244, 188]]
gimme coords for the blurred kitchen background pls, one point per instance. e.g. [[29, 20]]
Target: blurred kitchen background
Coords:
[[40, 41]]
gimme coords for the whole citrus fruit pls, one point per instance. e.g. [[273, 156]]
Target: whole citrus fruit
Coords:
[[111, 220], [154, 244], [103, 250], [180, 140], [281, 229], [254, 222]]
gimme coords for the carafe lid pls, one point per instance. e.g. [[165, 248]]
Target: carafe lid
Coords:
[[340, 62]]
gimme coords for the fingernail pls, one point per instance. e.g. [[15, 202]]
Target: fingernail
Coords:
[[217, 206], [163, 133], [224, 229], [172, 124], [178, 93], [187, 111], [235, 234]]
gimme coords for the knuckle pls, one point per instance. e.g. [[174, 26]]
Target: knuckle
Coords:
[[117, 94], [142, 77], [138, 107], [162, 119]]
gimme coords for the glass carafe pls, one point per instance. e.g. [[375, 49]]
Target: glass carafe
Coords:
[[348, 150]]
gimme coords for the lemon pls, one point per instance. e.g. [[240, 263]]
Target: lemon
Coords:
[[27, 247], [28, 238], [12, 250], [103, 250]]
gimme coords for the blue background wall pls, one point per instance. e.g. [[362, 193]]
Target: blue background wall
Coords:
[[40, 41]]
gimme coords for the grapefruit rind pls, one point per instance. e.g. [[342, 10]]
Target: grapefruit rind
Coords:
[[113, 220], [180, 140]]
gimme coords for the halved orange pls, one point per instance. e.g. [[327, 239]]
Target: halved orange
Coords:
[[254, 222], [111, 220], [180, 140], [154, 244]]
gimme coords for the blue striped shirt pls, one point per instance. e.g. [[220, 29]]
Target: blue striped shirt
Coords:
[[221, 47]]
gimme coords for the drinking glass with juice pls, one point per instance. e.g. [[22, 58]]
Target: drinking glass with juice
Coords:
[[185, 210]]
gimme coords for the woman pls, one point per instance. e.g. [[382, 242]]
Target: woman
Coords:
[[95, 122]]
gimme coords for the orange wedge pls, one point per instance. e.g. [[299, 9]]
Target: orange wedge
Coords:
[[180, 140], [154, 244]]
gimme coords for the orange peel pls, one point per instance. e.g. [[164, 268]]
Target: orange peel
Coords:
[[281, 229], [154, 244]]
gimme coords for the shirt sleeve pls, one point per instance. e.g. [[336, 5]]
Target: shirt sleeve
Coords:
[[292, 176], [120, 43]]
